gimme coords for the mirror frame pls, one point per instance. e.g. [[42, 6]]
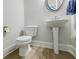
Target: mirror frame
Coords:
[[50, 9]]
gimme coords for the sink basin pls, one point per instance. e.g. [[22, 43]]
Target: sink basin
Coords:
[[56, 23]]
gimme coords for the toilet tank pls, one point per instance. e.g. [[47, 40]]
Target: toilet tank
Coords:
[[31, 30]]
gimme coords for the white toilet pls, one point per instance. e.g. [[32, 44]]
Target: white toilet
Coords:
[[24, 41]]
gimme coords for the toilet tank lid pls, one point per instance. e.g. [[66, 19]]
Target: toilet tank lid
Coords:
[[31, 26], [24, 38]]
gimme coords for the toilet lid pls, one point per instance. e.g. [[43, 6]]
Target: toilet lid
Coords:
[[24, 38]]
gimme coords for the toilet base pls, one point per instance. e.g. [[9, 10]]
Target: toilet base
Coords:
[[23, 51]]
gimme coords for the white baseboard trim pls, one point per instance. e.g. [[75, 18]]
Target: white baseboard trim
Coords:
[[9, 49], [63, 47], [68, 48]]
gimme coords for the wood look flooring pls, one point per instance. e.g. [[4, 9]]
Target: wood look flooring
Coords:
[[41, 53]]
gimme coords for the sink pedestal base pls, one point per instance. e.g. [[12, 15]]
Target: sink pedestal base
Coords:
[[55, 39]]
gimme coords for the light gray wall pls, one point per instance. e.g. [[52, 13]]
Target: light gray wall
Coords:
[[35, 13], [14, 18], [73, 30]]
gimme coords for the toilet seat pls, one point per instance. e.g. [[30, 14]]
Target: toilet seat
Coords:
[[24, 38]]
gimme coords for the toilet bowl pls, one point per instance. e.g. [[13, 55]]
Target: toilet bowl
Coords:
[[23, 42]]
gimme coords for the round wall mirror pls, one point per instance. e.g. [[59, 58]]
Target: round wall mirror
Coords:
[[54, 4]]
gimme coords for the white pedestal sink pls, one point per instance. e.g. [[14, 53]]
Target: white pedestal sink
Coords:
[[55, 24]]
